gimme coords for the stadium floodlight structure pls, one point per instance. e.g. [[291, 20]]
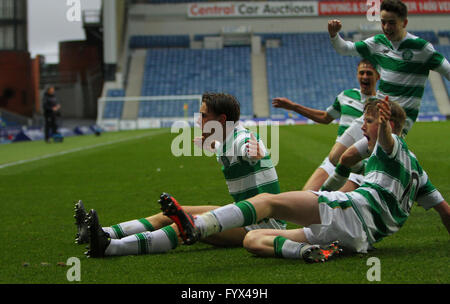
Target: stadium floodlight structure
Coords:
[[146, 112]]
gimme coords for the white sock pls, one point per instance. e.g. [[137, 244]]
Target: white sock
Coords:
[[128, 228], [334, 182], [337, 179], [285, 248], [220, 219], [158, 241]]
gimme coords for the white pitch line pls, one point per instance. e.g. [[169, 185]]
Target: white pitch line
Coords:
[[76, 150]]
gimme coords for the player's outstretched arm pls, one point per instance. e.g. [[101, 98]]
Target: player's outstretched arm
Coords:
[[318, 116], [444, 212], [343, 47]]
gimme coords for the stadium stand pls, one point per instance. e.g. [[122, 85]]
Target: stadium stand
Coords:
[[172, 68], [114, 109], [291, 74], [444, 34], [181, 71], [429, 36]]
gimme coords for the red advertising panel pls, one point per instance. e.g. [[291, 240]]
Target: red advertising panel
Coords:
[[415, 7]]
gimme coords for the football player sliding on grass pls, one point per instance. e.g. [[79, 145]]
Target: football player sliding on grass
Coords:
[[394, 179], [248, 170]]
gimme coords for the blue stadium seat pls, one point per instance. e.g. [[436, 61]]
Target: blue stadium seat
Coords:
[[177, 71], [113, 109], [307, 70], [429, 36], [444, 34]]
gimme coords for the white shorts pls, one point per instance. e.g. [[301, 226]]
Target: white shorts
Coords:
[[267, 224], [327, 166], [353, 133], [339, 221], [362, 145], [356, 178]]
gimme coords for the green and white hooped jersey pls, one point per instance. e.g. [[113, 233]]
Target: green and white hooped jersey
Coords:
[[348, 106], [403, 70], [246, 178], [391, 185]]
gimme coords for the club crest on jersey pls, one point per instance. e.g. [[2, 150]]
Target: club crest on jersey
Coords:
[[407, 55]]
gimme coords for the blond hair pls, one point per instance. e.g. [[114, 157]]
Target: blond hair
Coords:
[[398, 115]]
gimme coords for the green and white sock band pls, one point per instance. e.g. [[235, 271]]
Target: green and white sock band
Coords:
[[129, 228], [285, 248], [249, 212], [159, 241], [342, 170]]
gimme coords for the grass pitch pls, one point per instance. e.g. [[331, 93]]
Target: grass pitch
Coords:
[[122, 174]]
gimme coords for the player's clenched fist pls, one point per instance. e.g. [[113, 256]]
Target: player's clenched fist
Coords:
[[334, 26], [384, 110]]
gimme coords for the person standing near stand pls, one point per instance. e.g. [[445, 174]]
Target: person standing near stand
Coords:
[[51, 108]]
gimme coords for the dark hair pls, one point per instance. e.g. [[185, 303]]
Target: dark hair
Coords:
[[395, 6], [222, 103], [398, 115]]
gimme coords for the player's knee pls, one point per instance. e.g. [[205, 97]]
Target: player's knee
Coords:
[[252, 242]]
